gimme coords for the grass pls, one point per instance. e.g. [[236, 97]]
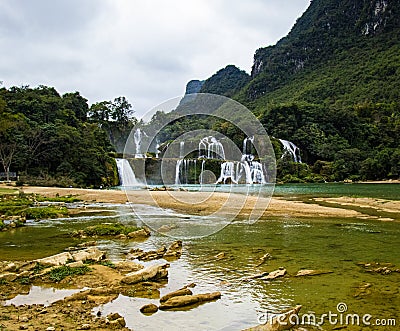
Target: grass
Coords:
[[4, 190], [57, 198], [109, 229], [23, 205], [58, 274]]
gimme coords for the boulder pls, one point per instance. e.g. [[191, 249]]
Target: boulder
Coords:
[[310, 272], [174, 250], [127, 266], [187, 300], [55, 260], [275, 274], [180, 292], [91, 253], [149, 309], [279, 322], [154, 272], [139, 234]]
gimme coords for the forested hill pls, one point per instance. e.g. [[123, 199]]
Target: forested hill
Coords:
[[331, 86], [344, 52]]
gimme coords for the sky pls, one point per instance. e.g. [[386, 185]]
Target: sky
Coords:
[[144, 50]]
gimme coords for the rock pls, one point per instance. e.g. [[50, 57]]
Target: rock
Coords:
[[85, 327], [220, 256], [55, 260], [113, 316], [180, 292], [11, 267], [8, 277], [88, 244], [115, 320], [149, 309], [310, 272], [174, 250], [127, 266], [154, 272], [283, 321], [23, 327], [139, 234], [275, 274], [263, 259], [117, 324], [187, 300], [23, 319], [263, 274], [121, 236], [51, 328], [75, 264], [91, 253]]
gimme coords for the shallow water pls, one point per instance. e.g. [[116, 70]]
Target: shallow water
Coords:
[[329, 244]]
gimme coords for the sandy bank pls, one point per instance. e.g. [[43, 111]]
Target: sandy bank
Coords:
[[204, 203]]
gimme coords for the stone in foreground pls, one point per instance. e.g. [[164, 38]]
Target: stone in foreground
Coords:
[[310, 272], [187, 300], [154, 272], [275, 274], [149, 309], [178, 293]]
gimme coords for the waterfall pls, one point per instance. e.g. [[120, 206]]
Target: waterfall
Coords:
[[126, 174], [292, 149], [211, 148], [181, 149], [227, 172], [178, 171], [137, 137], [252, 170]]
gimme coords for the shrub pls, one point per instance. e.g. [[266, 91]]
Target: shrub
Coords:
[[58, 274]]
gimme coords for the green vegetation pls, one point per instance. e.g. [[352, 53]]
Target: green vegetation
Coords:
[[59, 273], [106, 229], [49, 139], [23, 205]]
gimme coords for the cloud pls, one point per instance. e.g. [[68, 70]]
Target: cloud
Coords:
[[144, 50]]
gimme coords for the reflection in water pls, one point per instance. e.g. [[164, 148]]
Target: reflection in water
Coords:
[[39, 295]]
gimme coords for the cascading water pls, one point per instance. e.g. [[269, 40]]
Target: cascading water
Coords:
[[211, 148], [126, 175], [227, 173], [292, 149], [137, 137], [252, 170]]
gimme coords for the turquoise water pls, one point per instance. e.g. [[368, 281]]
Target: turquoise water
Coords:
[[383, 191], [330, 244]]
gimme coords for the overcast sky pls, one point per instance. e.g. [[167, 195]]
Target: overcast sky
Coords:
[[144, 50]]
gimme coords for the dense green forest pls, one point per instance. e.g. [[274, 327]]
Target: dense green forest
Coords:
[[49, 139]]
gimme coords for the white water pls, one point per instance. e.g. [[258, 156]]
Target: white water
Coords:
[[252, 170], [126, 174], [292, 149], [137, 137]]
